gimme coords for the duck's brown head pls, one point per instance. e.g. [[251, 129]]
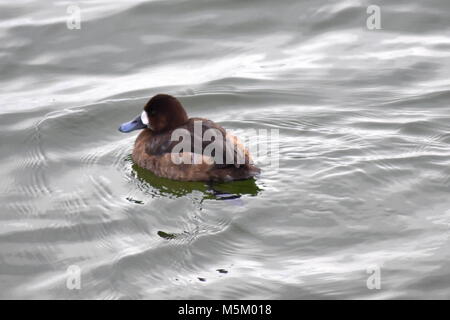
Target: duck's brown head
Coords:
[[161, 113]]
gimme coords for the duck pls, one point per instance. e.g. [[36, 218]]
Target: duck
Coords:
[[172, 145]]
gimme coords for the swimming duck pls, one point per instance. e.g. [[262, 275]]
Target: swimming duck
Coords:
[[173, 146]]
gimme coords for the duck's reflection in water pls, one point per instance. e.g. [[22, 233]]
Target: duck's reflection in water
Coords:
[[229, 191]]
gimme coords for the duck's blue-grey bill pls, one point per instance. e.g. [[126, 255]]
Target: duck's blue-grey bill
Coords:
[[135, 124]]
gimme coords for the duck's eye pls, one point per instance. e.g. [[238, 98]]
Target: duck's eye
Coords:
[[152, 112]]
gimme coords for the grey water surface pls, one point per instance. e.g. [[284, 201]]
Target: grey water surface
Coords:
[[363, 183]]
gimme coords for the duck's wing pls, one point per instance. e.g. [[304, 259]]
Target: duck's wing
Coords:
[[201, 136], [228, 151]]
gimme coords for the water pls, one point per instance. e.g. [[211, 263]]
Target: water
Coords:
[[364, 140]]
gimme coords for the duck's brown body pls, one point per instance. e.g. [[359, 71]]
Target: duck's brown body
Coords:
[[153, 151], [211, 154]]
